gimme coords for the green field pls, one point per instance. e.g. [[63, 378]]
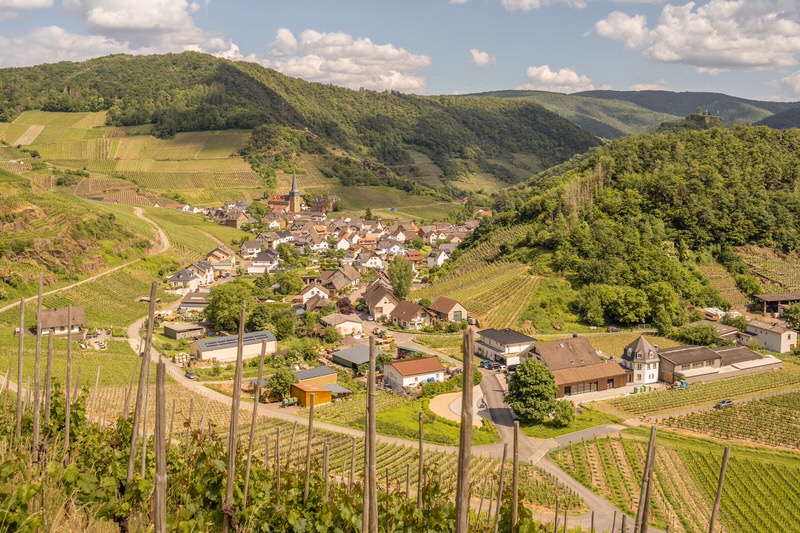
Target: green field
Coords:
[[588, 418], [759, 493], [191, 236], [723, 282]]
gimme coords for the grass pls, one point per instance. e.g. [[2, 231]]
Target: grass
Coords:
[[403, 421], [589, 418], [191, 235]]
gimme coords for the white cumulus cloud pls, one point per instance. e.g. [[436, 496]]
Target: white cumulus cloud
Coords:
[[341, 59], [529, 5], [25, 4], [481, 59], [718, 36], [564, 80], [790, 84], [164, 25], [657, 86]]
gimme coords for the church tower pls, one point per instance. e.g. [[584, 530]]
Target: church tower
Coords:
[[295, 199]]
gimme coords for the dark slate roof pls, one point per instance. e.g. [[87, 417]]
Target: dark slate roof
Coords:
[[778, 297], [183, 275], [336, 389], [57, 318], [267, 255], [640, 346], [681, 355], [735, 354], [219, 343], [357, 355], [314, 373], [505, 336]]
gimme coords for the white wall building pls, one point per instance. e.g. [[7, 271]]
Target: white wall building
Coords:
[[412, 372]]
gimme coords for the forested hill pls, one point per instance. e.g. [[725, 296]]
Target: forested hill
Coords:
[[647, 209], [192, 91], [612, 114], [784, 120]]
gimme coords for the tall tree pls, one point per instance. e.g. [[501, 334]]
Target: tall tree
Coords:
[[792, 316], [279, 384], [401, 274], [225, 304], [532, 391]]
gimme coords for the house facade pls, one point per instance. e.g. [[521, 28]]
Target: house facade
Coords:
[[503, 346], [412, 372], [641, 359], [224, 349], [448, 310], [773, 337], [59, 322], [409, 315], [344, 324]]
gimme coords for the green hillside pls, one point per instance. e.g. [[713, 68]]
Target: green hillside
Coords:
[[612, 114], [783, 120], [623, 231], [351, 137]]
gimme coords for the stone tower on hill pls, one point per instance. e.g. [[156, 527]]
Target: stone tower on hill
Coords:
[[295, 199]]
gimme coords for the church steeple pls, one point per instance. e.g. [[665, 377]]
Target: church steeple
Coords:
[[295, 198]]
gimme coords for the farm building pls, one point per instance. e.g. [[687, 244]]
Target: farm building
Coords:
[[57, 321], [411, 372], [303, 392], [688, 362], [224, 349], [503, 346], [321, 375], [344, 324], [577, 367], [354, 356], [773, 303], [183, 330], [773, 337], [448, 310]]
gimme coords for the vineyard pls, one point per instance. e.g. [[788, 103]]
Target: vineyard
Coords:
[[189, 234], [704, 394], [536, 487], [777, 274], [496, 293], [773, 421], [722, 282], [685, 478], [489, 250]]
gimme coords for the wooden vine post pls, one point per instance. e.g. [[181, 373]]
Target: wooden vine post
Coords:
[[37, 403], [465, 438], [309, 440], [500, 488], [421, 466], [68, 387], [641, 513], [48, 376], [718, 498], [160, 446], [256, 400], [229, 520], [137, 410], [20, 349], [370, 516], [515, 481]]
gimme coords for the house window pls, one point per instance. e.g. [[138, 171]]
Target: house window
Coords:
[[638, 366], [638, 377], [457, 316], [609, 383]]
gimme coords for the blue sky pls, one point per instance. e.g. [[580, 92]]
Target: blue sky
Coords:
[[746, 48]]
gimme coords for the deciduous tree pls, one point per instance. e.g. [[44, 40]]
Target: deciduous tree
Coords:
[[401, 274], [532, 391]]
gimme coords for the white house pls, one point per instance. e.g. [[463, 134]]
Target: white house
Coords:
[[437, 258], [641, 359], [503, 346], [249, 249], [344, 324], [58, 320], [264, 261], [412, 372], [204, 270], [184, 281], [773, 337], [311, 290], [409, 315]]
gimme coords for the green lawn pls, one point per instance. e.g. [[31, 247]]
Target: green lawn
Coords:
[[589, 418], [403, 421]]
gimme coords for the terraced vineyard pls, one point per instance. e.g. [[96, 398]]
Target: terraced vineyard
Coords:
[[685, 479], [779, 274], [772, 421], [488, 251], [190, 235], [722, 282], [700, 394], [496, 293]]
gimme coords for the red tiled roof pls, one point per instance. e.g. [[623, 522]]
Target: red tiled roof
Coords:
[[415, 367]]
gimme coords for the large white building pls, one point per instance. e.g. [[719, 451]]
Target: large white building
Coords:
[[224, 349]]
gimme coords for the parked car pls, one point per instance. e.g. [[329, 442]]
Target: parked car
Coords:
[[612, 329], [191, 375], [723, 403]]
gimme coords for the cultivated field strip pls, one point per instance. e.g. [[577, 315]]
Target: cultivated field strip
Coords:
[[665, 401], [537, 487], [721, 281], [773, 421], [778, 274]]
